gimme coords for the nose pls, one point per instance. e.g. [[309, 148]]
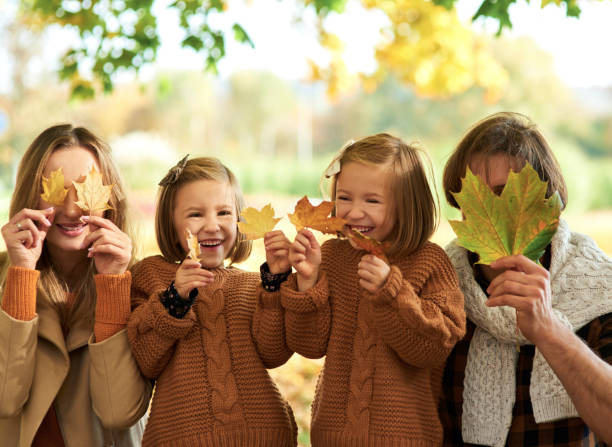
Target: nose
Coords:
[[211, 224], [70, 208], [355, 212]]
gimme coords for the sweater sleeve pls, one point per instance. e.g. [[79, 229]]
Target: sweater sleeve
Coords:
[[112, 304], [153, 332], [19, 295], [268, 329], [307, 317], [421, 328]]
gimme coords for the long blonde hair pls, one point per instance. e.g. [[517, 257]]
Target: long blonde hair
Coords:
[[27, 194]]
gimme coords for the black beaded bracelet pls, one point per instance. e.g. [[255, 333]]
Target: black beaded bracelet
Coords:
[[271, 282], [175, 304]]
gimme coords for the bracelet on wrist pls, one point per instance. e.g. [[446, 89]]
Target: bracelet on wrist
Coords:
[[271, 282], [175, 304]]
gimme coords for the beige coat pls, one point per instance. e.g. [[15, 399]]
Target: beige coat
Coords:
[[97, 388]]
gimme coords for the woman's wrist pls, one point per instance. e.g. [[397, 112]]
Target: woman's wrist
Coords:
[[175, 304]]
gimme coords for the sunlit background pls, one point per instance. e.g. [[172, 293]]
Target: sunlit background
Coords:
[[266, 118]]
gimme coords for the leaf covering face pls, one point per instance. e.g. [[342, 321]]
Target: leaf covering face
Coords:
[[92, 194], [316, 217], [519, 221], [53, 188], [257, 223]]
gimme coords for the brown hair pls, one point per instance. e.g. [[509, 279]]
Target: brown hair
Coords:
[[201, 168], [507, 133], [27, 195], [413, 202]]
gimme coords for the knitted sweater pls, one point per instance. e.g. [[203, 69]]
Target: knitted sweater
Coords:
[[385, 352], [212, 386]]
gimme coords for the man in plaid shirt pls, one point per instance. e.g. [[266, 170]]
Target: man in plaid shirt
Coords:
[[557, 389]]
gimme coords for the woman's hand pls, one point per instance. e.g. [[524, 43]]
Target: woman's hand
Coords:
[[24, 235], [190, 275], [372, 272], [277, 251], [305, 257], [110, 247]]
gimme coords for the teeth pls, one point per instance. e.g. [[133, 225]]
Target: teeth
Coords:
[[71, 226], [360, 229], [210, 243]]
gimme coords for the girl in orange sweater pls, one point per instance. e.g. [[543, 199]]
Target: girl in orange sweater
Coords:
[[193, 329], [385, 327]]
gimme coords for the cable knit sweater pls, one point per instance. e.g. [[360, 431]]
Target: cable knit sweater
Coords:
[[384, 352], [212, 386]]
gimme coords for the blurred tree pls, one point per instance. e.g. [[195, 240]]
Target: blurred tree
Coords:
[[424, 45]]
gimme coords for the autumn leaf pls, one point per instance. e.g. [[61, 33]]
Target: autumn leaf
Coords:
[[194, 245], [519, 221], [368, 244], [92, 194], [316, 217], [53, 188], [257, 223]]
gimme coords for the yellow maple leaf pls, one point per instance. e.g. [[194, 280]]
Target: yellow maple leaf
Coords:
[[92, 194], [368, 244], [257, 223], [194, 245], [316, 217], [53, 188]]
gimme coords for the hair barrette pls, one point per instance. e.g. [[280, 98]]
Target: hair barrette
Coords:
[[334, 166], [174, 173]]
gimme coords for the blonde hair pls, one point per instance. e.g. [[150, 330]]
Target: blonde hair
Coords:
[[201, 168], [510, 134], [416, 207], [27, 195]]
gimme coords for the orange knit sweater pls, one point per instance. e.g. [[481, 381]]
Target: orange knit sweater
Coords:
[[212, 386], [385, 352]]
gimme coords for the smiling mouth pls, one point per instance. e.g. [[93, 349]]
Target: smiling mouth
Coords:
[[210, 244], [71, 229], [361, 229]]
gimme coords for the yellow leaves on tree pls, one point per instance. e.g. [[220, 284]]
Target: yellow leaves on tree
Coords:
[[257, 223], [53, 188], [194, 245], [92, 194], [316, 217], [425, 46], [519, 221], [368, 244]]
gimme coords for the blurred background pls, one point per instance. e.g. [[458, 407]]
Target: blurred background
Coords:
[[274, 88]]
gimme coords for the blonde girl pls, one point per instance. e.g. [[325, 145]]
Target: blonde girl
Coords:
[[384, 327], [193, 330], [64, 278]]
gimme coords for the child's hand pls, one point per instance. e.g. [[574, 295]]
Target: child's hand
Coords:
[[305, 257], [110, 247], [190, 276], [277, 251], [24, 235], [372, 272]]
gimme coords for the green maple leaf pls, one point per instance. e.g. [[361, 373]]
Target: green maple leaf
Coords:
[[519, 221]]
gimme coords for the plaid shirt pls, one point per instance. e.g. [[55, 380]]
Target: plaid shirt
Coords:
[[524, 431]]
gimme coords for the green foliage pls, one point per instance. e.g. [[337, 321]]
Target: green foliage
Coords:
[[122, 35], [499, 10]]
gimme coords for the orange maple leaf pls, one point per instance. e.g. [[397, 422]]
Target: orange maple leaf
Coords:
[[194, 245], [368, 244], [316, 217]]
